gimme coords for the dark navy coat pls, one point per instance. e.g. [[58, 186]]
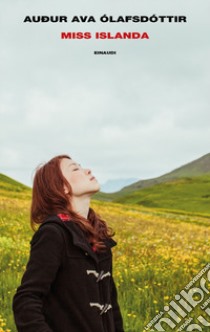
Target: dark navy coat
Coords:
[[67, 287]]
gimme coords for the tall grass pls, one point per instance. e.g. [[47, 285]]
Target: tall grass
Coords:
[[157, 254]]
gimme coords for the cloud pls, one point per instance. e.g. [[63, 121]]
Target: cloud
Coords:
[[138, 114]]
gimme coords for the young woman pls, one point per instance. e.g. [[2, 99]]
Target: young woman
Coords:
[[68, 284]]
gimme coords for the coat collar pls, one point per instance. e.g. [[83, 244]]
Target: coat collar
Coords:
[[78, 236]]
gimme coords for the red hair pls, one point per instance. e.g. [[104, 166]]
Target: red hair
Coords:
[[49, 198]]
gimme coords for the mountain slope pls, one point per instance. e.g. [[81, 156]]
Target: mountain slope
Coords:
[[191, 194], [12, 188], [187, 188], [197, 167]]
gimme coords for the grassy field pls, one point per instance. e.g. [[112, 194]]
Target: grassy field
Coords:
[[158, 253], [190, 194]]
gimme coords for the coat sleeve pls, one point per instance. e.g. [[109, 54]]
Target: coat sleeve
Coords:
[[44, 261], [116, 309]]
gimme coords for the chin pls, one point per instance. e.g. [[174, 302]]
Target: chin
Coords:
[[97, 189]]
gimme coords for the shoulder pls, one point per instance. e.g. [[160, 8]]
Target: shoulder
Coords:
[[48, 232]]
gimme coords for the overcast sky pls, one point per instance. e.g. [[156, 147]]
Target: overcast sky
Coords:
[[139, 113]]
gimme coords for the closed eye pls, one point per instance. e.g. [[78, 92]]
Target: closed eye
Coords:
[[76, 167]]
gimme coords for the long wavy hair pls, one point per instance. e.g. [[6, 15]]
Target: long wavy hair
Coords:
[[49, 198]]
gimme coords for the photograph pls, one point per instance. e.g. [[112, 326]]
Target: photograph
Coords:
[[104, 166]]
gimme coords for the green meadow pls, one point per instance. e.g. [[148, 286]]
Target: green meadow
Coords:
[[160, 249], [189, 194]]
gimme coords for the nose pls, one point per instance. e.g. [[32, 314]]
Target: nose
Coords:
[[87, 171]]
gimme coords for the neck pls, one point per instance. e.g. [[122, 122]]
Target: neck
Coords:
[[81, 205]]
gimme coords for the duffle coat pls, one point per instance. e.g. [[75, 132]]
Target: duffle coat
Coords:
[[67, 287]]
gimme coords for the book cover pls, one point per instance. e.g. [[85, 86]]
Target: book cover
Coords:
[[123, 88]]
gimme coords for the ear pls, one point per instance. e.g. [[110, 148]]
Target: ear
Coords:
[[66, 191]]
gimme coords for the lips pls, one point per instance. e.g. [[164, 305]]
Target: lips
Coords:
[[92, 178]]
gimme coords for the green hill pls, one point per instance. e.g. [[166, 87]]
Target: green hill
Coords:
[[197, 167], [186, 188], [12, 188], [190, 194]]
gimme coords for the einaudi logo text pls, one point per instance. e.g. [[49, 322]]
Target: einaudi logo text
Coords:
[[176, 316]]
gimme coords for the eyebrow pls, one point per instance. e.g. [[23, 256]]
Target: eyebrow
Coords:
[[74, 164]]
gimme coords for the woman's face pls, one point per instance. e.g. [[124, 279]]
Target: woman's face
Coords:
[[80, 179]]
